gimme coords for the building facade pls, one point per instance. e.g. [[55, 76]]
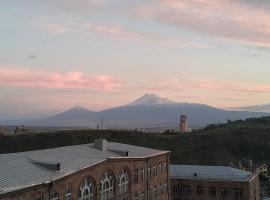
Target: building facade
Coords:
[[102, 171], [213, 183], [3, 130], [183, 124]]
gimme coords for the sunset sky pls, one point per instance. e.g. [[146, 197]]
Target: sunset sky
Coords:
[[98, 54]]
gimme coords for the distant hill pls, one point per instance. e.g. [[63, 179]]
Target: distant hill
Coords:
[[147, 111], [256, 108], [214, 145]]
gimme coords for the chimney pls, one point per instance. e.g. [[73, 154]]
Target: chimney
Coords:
[[101, 144]]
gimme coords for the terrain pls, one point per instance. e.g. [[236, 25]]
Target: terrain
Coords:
[[148, 111]]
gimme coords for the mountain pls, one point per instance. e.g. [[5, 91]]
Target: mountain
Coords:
[[149, 110], [151, 99], [256, 108]]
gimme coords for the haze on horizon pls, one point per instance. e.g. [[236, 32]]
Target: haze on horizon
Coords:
[[55, 54]]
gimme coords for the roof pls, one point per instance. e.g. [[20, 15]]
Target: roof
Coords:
[[209, 173], [21, 170]]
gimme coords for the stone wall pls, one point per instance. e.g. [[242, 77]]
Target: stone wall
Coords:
[[200, 189], [148, 179]]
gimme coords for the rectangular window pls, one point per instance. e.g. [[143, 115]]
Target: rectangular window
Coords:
[[54, 196], [238, 192], [68, 194], [165, 167], [224, 191], [212, 191], [160, 168], [142, 174], [149, 173], [154, 170], [142, 196], [186, 190], [136, 178], [176, 188], [200, 190], [149, 194], [165, 188]]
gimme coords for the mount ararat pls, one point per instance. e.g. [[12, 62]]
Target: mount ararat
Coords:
[[149, 110]]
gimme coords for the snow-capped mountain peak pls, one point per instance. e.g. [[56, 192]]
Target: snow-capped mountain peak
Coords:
[[151, 99]]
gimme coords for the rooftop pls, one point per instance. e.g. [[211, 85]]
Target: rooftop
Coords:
[[209, 173], [24, 169]]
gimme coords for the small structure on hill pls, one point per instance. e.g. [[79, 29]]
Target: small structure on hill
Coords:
[[249, 165], [20, 129], [183, 125], [3, 130]]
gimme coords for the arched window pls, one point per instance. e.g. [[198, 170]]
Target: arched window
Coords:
[[123, 181], [106, 186], [87, 190]]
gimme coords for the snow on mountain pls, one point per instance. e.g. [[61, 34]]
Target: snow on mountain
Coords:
[[151, 99]]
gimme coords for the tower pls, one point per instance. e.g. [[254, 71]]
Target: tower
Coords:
[[183, 125]]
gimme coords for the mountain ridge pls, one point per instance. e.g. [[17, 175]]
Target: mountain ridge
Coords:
[[150, 110]]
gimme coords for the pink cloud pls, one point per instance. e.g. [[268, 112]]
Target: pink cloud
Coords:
[[229, 19], [235, 87], [115, 32], [56, 80]]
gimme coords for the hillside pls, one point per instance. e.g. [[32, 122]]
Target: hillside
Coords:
[[216, 144]]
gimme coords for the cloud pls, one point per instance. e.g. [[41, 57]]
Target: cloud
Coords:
[[114, 32], [56, 80], [228, 19], [178, 85], [76, 6], [235, 87]]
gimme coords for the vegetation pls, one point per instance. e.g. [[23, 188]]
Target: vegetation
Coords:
[[213, 145]]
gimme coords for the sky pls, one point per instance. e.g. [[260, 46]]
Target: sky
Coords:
[[55, 54]]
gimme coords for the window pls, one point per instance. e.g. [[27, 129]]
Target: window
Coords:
[[87, 189], [224, 191], [160, 188], [149, 173], [200, 190], [136, 197], [142, 196], [155, 191], [212, 191], [154, 170], [142, 174], [160, 168], [165, 187], [136, 175], [165, 166], [68, 194], [149, 194], [176, 188], [106, 186], [123, 182], [54, 196], [186, 189], [238, 193]]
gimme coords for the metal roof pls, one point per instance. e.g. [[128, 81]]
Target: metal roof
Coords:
[[20, 170], [209, 172]]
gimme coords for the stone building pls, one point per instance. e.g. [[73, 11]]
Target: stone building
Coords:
[[102, 170], [20, 129], [3, 130], [249, 165], [190, 182]]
